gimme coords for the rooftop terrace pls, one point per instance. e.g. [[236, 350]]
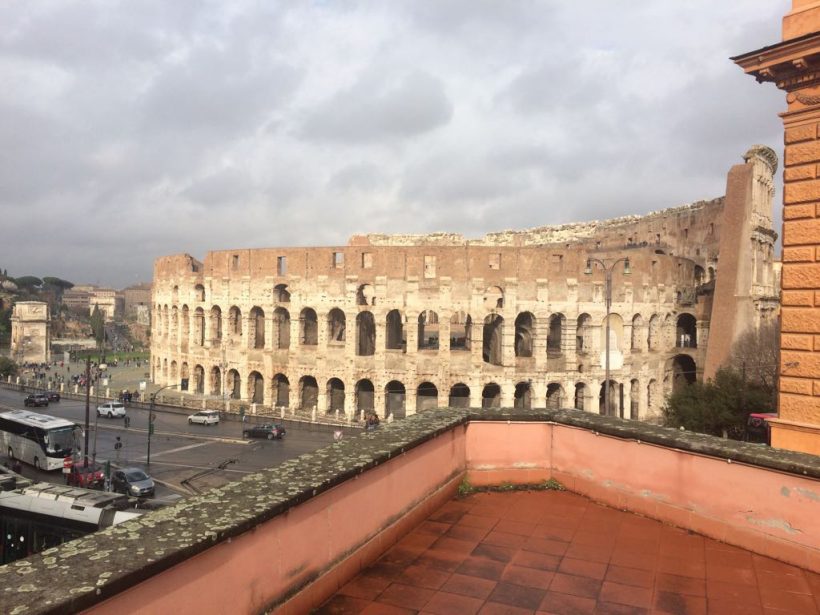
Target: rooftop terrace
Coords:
[[289, 538]]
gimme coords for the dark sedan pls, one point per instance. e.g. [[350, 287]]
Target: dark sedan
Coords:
[[37, 400], [52, 395], [264, 430]]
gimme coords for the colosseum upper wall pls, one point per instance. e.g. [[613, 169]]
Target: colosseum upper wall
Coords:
[[398, 324]]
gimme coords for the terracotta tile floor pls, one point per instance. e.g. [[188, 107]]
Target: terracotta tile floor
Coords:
[[556, 552]]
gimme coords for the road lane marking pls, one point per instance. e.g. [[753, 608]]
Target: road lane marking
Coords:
[[176, 450], [192, 467]]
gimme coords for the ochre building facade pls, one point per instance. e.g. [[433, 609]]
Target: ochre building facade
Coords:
[[793, 65], [398, 324]]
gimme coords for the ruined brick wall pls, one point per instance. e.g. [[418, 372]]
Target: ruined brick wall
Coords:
[[400, 324]]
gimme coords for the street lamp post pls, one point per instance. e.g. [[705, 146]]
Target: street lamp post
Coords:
[[151, 418], [607, 269]]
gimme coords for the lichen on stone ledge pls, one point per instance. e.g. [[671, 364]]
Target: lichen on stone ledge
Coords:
[[86, 571]]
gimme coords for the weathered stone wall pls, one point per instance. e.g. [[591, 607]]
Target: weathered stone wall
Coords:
[[405, 323], [30, 332]]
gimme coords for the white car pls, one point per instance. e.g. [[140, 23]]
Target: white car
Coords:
[[206, 417], [111, 409]]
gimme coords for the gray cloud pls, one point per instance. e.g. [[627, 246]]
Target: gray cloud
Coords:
[[133, 130]]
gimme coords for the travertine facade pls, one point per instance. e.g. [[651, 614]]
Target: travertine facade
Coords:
[[400, 324], [792, 65], [30, 332]]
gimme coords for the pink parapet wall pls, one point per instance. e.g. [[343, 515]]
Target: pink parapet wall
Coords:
[[314, 547], [765, 511]]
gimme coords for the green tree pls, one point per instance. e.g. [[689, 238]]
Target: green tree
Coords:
[[718, 407], [58, 282], [28, 281], [7, 367], [98, 326]]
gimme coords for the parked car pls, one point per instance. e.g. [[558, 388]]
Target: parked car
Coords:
[[91, 477], [132, 481], [111, 409], [53, 395], [264, 430], [36, 399], [205, 417]]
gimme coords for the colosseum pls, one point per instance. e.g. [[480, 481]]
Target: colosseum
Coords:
[[398, 324]]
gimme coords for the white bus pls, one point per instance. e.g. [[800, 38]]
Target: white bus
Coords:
[[38, 439]]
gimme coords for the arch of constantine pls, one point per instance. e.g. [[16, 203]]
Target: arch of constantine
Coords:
[[398, 324]]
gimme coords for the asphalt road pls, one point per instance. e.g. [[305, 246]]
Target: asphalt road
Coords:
[[204, 456]]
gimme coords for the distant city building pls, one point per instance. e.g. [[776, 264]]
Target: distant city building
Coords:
[[109, 301], [30, 332], [404, 323], [76, 300], [137, 303]]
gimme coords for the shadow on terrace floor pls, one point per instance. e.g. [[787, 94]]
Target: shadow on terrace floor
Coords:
[[556, 552]]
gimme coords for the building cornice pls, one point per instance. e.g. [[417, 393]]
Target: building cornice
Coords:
[[791, 65]]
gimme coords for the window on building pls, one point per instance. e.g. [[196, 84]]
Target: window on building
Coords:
[[429, 266], [338, 260], [367, 260], [235, 261], [281, 265], [495, 261], [557, 263]]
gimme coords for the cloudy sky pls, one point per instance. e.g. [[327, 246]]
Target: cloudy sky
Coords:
[[134, 129]]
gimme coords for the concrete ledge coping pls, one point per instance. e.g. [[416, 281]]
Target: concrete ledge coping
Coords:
[[84, 572]]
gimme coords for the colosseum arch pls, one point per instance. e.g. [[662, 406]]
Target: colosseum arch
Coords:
[[491, 396], [185, 328], [216, 325], [309, 327], [686, 331], [426, 396], [256, 388], [616, 399], [199, 293], [394, 400], [234, 384], [199, 379], [257, 327], [166, 327], [494, 298], [682, 370], [461, 326], [524, 334], [281, 322], [428, 333], [365, 334], [365, 295], [336, 325], [583, 334], [395, 338], [235, 323], [555, 395], [280, 391], [555, 336], [173, 372], [174, 328], [281, 294], [335, 395], [308, 393], [523, 395], [616, 332], [492, 350], [581, 395], [184, 376], [365, 396], [634, 399], [175, 294], [638, 333], [459, 396], [165, 368]]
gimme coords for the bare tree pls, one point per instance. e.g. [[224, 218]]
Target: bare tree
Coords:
[[756, 355]]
